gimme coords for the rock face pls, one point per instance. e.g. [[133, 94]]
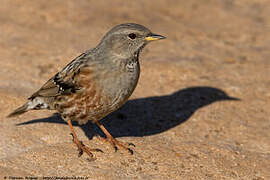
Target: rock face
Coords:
[[183, 117]]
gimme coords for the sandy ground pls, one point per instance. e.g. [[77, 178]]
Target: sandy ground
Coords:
[[182, 116]]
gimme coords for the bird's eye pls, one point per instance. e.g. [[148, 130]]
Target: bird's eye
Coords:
[[132, 36]]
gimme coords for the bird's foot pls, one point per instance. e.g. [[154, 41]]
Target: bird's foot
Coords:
[[82, 148], [117, 144]]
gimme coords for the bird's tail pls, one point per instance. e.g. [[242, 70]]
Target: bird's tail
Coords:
[[24, 108], [35, 103]]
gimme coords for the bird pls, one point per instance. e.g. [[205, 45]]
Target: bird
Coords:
[[96, 83]]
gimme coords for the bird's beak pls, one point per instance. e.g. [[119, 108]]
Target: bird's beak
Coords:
[[154, 37]]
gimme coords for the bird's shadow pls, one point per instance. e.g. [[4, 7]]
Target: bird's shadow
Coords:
[[150, 115]]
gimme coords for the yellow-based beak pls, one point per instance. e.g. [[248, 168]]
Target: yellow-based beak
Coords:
[[154, 37]]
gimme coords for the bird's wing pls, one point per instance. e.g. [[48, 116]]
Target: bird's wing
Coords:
[[63, 82]]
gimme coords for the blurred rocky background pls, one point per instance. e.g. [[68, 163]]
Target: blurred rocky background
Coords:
[[184, 116]]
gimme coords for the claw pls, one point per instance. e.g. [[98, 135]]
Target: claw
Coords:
[[72, 136], [130, 151], [115, 148], [131, 144], [98, 150], [80, 152]]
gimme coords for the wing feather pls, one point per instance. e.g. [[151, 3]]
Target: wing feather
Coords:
[[63, 82]]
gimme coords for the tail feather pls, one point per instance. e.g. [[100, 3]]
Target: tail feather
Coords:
[[36, 104], [20, 110]]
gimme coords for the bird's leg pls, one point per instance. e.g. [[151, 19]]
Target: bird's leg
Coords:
[[81, 147], [115, 143]]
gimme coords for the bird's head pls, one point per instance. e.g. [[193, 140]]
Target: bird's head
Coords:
[[128, 39]]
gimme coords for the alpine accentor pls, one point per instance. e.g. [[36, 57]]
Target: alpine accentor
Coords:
[[96, 83]]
